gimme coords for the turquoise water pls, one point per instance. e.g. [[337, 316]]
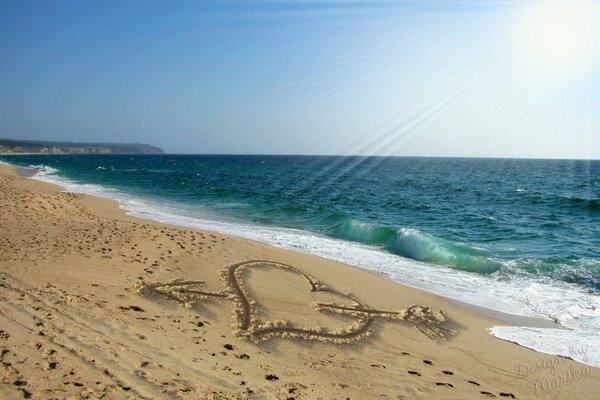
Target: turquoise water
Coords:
[[519, 236], [479, 215]]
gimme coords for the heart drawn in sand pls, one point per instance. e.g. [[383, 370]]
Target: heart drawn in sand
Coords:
[[246, 321]]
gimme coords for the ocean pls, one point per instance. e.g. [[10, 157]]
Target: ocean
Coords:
[[512, 235]]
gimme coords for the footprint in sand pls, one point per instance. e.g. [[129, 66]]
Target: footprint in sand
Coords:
[[248, 325], [450, 385]]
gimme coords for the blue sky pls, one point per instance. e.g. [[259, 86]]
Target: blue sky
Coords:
[[441, 78]]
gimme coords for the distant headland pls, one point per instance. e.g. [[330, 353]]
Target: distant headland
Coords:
[[13, 146]]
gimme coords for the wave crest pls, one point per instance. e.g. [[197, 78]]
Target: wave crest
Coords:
[[42, 169], [582, 203], [411, 243]]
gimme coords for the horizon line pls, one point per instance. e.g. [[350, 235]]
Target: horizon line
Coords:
[[317, 155]]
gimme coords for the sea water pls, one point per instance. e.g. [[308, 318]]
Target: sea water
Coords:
[[517, 236]]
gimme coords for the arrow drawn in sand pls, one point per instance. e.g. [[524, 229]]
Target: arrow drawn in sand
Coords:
[[246, 322]]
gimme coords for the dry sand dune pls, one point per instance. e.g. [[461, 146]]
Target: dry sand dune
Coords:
[[97, 304]]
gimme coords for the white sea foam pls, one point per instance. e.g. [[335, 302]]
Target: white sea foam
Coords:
[[583, 347], [576, 309], [43, 170]]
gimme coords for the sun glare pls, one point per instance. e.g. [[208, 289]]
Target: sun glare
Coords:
[[559, 35]]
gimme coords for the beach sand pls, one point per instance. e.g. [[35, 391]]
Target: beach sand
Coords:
[[97, 304]]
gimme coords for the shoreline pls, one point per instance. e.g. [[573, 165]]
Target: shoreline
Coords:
[[464, 355], [500, 316]]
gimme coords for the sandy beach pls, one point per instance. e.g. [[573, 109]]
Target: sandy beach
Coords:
[[100, 305]]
